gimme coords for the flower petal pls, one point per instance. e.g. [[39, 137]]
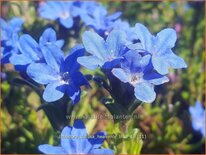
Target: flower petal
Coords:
[[66, 139], [70, 64], [68, 23], [155, 78], [120, 74], [94, 44], [54, 56], [29, 47], [19, 59], [102, 151], [54, 91], [115, 42], [73, 92], [163, 62], [49, 149], [90, 62], [48, 36], [79, 79], [165, 40], [42, 73], [145, 92], [98, 139], [143, 34]]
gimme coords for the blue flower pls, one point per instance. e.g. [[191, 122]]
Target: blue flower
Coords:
[[106, 54], [30, 50], [137, 71], [74, 140], [9, 38], [64, 12], [198, 117], [61, 76], [99, 20], [159, 47]]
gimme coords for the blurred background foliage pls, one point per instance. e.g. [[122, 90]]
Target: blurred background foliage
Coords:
[[166, 123]]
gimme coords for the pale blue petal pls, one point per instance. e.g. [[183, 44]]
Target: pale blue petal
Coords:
[[115, 42], [42, 73], [94, 44], [28, 46], [102, 151], [48, 36], [68, 23], [16, 23], [114, 16], [49, 149], [19, 59], [163, 62], [59, 43], [81, 143], [120, 74], [145, 92], [66, 139], [54, 91], [143, 34], [165, 39], [53, 56], [90, 62], [157, 79]]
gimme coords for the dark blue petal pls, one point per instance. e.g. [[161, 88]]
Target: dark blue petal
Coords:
[[112, 64], [98, 139], [73, 92], [78, 79], [70, 64]]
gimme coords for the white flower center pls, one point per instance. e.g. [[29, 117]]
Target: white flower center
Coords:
[[65, 77], [135, 78], [64, 15]]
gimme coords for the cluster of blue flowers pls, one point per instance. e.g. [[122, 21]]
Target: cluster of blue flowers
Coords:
[[129, 56]]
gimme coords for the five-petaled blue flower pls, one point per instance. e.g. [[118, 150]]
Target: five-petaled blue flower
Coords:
[[61, 75], [198, 117], [74, 140], [138, 72], [99, 20], [9, 38], [30, 50], [159, 47], [62, 11], [106, 54]]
